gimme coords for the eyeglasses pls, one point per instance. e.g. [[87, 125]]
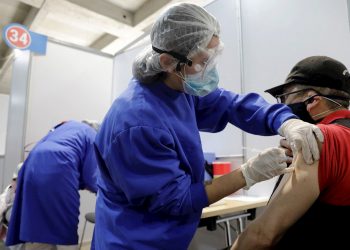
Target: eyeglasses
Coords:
[[282, 98], [209, 56]]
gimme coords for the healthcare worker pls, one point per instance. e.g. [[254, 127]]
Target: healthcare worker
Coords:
[[151, 185], [45, 214]]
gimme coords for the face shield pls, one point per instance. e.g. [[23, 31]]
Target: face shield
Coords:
[[204, 60], [201, 77]]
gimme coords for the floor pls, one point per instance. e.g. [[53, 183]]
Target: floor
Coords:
[[86, 246]]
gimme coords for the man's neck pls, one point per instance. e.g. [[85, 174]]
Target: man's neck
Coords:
[[330, 113], [320, 116]]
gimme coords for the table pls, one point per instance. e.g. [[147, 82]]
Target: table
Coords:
[[242, 207]]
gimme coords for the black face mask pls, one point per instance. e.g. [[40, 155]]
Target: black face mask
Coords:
[[299, 109]]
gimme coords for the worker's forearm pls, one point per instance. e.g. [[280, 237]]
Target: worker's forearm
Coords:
[[225, 185]]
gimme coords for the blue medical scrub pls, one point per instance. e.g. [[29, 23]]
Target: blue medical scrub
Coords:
[[151, 192], [46, 206]]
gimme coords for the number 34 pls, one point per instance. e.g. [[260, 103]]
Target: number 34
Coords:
[[16, 37]]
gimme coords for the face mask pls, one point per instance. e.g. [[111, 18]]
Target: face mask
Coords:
[[299, 109], [201, 85]]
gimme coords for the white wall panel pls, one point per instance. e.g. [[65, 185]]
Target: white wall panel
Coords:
[[16, 114], [2, 165], [67, 84], [4, 105], [123, 68], [229, 141]]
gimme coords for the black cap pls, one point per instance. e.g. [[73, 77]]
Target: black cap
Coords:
[[319, 71]]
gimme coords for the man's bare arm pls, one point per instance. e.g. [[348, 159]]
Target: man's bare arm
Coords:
[[289, 204]]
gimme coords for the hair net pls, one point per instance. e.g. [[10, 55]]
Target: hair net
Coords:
[[181, 30]]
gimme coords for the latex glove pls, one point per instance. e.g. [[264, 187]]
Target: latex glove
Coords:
[[302, 136], [267, 164], [286, 147]]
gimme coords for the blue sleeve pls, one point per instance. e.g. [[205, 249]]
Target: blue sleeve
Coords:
[[249, 112], [145, 166], [88, 175]]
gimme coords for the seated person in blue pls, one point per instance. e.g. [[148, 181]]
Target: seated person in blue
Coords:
[[45, 212], [151, 183]]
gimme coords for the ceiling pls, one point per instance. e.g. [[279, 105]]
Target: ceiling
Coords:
[[108, 26]]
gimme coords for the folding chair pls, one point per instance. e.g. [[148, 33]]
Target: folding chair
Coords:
[[89, 217]]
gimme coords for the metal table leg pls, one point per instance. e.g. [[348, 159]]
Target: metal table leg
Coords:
[[227, 220], [228, 233]]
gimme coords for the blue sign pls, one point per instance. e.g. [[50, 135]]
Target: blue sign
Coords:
[[17, 36]]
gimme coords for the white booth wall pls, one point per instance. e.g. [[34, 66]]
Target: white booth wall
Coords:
[[4, 104], [66, 84]]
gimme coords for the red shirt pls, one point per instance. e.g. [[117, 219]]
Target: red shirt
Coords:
[[334, 165]]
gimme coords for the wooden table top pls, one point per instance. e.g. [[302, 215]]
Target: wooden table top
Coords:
[[229, 205]]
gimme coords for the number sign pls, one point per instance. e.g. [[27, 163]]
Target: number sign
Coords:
[[17, 36]]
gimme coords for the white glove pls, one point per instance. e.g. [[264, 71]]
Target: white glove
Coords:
[[302, 136], [267, 164]]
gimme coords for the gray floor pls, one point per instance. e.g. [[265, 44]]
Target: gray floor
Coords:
[[211, 240], [2, 246]]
